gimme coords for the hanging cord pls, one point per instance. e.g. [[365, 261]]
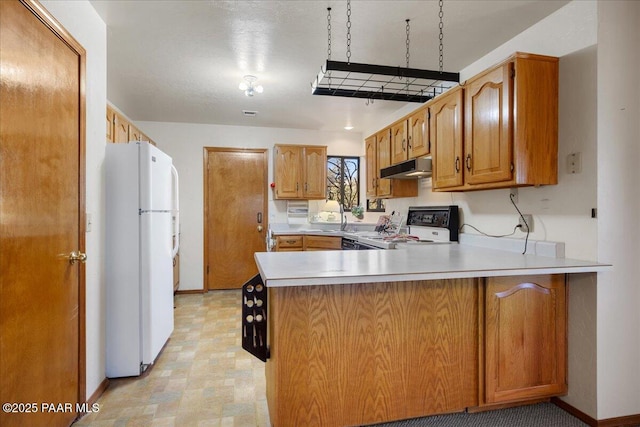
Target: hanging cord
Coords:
[[526, 240], [348, 31], [490, 235], [441, 36]]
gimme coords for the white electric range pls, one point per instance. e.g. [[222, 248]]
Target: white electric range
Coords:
[[425, 225]]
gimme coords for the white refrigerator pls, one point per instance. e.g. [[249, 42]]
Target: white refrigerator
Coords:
[[141, 241]]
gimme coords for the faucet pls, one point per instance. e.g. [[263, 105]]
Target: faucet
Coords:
[[343, 224]]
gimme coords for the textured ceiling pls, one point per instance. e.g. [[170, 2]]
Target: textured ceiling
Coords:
[[182, 61]]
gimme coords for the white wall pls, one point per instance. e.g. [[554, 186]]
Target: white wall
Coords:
[[84, 24], [185, 144], [618, 206]]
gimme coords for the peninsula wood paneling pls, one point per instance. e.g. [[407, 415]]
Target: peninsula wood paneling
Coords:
[[366, 353]]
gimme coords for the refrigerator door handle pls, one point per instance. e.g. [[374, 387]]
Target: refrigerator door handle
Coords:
[[176, 207]]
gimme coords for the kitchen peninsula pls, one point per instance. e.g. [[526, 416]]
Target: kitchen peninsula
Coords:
[[362, 337]]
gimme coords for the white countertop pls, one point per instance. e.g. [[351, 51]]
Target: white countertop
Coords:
[[427, 262]]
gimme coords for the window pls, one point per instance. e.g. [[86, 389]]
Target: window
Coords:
[[375, 205], [343, 180]]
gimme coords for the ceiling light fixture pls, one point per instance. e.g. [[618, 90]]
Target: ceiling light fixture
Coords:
[[371, 82], [248, 85]]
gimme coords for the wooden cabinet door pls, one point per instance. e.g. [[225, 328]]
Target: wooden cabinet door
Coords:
[[372, 171], [134, 133], [322, 243], [445, 129], [383, 157], [488, 131], [288, 161], [121, 129], [111, 115], [399, 147], [525, 336], [314, 171], [419, 134]]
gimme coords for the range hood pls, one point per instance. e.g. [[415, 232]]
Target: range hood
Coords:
[[411, 169]]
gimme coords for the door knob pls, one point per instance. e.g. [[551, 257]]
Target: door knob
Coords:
[[259, 228], [77, 256]]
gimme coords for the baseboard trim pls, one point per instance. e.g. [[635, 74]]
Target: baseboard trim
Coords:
[[94, 397], [191, 291], [627, 421], [96, 394]]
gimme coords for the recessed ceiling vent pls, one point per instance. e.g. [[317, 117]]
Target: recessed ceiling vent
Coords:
[[249, 113]]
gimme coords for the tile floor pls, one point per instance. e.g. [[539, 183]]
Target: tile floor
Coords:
[[203, 377]]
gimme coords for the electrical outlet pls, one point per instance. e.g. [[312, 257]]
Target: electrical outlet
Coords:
[[529, 223]]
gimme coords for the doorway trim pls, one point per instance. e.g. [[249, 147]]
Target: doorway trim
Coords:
[[205, 198], [56, 27]]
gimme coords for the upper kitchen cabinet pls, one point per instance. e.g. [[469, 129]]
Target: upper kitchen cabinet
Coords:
[[378, 152], [134, 133], [418, 128], [510, 134], [511, 125], [399, 148], [111, 117], [300, 172], [120, 129], [409, 137], [445, 130]]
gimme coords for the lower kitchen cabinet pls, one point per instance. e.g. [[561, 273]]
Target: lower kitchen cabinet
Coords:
[[288, 243], [359, 354], [307, 243], [322, 243], [525, 338]]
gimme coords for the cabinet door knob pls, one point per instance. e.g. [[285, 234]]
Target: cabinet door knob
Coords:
[[457, 164], [468, 162]]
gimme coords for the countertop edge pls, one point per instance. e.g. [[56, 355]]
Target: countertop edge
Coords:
[[349, 280]]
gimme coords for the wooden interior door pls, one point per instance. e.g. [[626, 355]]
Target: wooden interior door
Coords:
[[41, 216], [235, 214]]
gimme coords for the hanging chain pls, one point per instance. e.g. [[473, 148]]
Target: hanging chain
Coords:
[[329, 32], [441, 37], [407, 43], [348, 31], [329, 42]]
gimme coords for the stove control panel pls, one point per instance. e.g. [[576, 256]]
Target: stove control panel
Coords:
[[435, 217]]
